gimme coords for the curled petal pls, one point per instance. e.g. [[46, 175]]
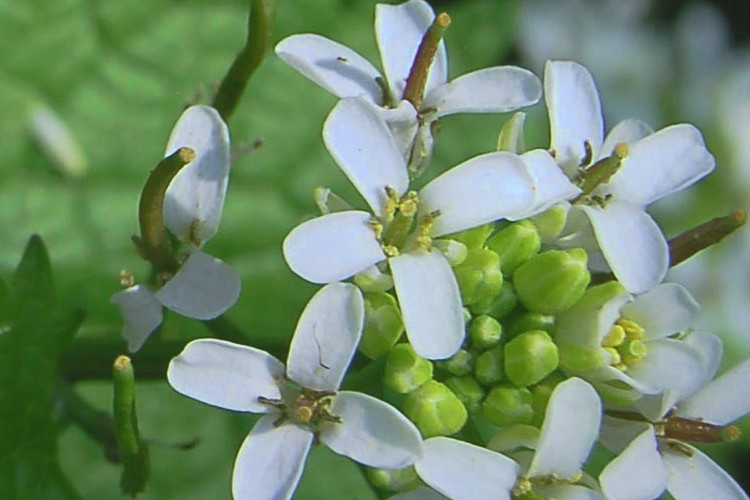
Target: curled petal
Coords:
[[203, 288], [662, 311], [195, 199], [332, 247], [226, 375], [639, 460], [333, 66], [694, 476], [141, 314], [371, 432], [326, 337], [270, 461], [551, 184]]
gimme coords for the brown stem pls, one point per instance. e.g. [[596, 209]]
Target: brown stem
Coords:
[[420, 69]]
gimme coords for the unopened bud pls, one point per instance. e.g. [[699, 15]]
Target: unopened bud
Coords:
[[474, 237], [511, 135], [405, 370], [505, 405], [460, 363], [393, 480], [435, 410], [515, 244], [550, 222], [485, 332], [479, 276], [513, 437], [468, 390], [552, 281], [383, 325], [531, 321], [530, 357], [454, 251], [373, 280], [329, 202], [500, 305], [488, 368]]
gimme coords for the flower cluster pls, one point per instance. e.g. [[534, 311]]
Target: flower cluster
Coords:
[[529, 286]]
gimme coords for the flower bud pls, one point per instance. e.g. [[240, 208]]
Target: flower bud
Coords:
[[372, 280], [468, 390], [383, 325], [531, 321], [435, 410], [540, 395], [552, 281], [479, 276], [550, 222], [506, 405], [530, 357], [511, 135], [405, 370], [460, 363], [513, 437], [485, 332], [500, 305], [488, 368], [474, 237], [454, 251], [515, 244], [393, 480]]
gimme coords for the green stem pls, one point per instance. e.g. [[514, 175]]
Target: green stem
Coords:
[[420, 69], [133, 453], [259, 27]]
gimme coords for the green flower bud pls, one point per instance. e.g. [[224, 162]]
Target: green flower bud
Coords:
[[515, 244], [500, 305], [383, 325], [474, 237], [552, 281], [435, 410], [405, 370], [616, 393], [454, 251], [507, 406], [531, 321], [373, 280], [541, 393], [468, 390], [550, 222], [530, 357], [511, 135], [479, 276], [329, 202], [393, 480], [488, 368], [485, 332], [513, 437], [460, 363]]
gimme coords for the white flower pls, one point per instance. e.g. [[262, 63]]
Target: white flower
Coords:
[[399, 30], [338, 245], [203, 287], [657, 164], [301, 404], [463, 471], [654, 448]]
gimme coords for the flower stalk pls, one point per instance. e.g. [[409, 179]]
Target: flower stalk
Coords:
[[692, 241], [133, 452]]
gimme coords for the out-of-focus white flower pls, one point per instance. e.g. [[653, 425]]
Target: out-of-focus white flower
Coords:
[[57, 141], [300, 404], [464, 471], [340, 244], [204, 287]]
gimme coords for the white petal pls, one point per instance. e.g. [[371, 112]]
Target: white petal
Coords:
[[567, 492], [724, 400], [662, 311], [226, 375], [697, 477], [333, 66], [332, 247], [618, 433], [270, 461], [571, 425], [480, 190], [399, 30], [627, 131], [552, 185], [141, 314], [371, 432], [463, 471], [632, 244], [403, 123], [359, 140], [662, 163], [420, 493], [490, 90], [637, 473], [203, 288], [195, 198], [574, 110], [430, 303], [326, 337], [669, 364]]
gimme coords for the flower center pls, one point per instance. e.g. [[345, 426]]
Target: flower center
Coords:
[[591, 177], [302, 406], [400, 229], [524, 487], [624, 344]]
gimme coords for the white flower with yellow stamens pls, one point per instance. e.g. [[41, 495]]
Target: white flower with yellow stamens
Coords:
[[338, 245]]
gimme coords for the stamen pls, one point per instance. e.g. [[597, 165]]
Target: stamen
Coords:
[[588, 154], [126, 278], [420, 69], [601, 172], [614, 337]]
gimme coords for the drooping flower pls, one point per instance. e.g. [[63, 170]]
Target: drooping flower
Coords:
[[203, 287], [636, 167], [400, 229], [301, 404], [399, 31]]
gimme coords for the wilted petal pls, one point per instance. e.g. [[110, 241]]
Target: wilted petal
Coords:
[[574, 110], [491, 90], [226, 375], [326, 337], [194, 200], [637, 473], [359, 140], [480, 190], [669, 364], [399, 30], [271, 460], [632, 244], [722, 401], [203, 288], [463, 471], [627, 131], [430, 303], [371, 432], [141, 314], [662, 311], [332, 247], [697, 477], [571, 425], [552, 185], [662, 163], [333, 66]]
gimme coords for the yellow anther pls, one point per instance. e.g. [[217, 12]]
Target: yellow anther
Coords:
[[614, 337], [377, 226], [390, 250], [423, 243], [392, 204], [614, 356], [621, 150], [409, 204], [629, 359], [304, 414], [425, 224], [637, 348], [633, 330], [126, 278], [522, 487]]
